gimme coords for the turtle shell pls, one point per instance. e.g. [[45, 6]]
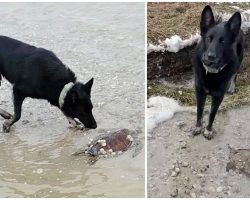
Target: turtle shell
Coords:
[[117, 141]]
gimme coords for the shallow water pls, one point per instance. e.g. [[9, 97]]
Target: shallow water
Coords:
[[100, 40]]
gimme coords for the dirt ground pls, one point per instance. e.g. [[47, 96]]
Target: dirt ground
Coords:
[[180, 165]]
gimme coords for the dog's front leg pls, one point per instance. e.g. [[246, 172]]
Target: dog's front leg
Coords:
[[201, 99], [18, 101], [216, 101]]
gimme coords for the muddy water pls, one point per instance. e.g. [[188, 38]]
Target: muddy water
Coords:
[[102, 40]]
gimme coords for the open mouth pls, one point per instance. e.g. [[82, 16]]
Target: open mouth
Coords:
[[213, 70]]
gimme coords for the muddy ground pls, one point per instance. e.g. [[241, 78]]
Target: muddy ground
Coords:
[[180, 165], [100, 40]]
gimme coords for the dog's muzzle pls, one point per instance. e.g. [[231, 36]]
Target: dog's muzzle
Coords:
[[212, 70]]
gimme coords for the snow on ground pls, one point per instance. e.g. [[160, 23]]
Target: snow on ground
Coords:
[[174, 44], [161, 109]]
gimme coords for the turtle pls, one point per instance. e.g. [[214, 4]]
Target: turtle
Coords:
[[112, 143]]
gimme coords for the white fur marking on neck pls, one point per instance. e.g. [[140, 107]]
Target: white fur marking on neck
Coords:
[[214, 71], [64, 93]]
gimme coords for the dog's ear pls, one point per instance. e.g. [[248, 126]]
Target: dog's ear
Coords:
[[234, 23], [207, 19], [88, 85]]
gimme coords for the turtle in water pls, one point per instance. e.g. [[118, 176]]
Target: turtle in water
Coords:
[[111, 144]]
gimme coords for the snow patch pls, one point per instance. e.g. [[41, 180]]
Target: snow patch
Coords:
[[161, 109], [174, 44]]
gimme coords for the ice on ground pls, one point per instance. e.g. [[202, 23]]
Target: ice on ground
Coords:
[[161, 109], [175, 43]]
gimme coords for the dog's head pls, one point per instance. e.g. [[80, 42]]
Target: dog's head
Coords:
[[78, 104], [218, 39]]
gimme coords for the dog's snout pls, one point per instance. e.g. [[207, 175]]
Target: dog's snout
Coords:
[[211, 56], [93, 126], [210, 59]]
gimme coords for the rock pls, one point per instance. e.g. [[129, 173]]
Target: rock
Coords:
[[177, 170], [184, 145], [174, 193], [219, 189], [193, 195], [173, 174], [39, 171], [184, 164], [181, 124], [200, 175]]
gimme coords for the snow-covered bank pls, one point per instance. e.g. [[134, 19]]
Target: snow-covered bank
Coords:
[[176, 43]]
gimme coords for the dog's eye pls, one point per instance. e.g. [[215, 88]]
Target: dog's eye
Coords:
[[221, 40], [209, 38]]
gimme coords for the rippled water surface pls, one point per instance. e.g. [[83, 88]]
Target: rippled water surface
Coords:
[[100, 40]]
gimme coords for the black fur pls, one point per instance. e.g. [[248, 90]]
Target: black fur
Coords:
[[221, 46], [38, 73]]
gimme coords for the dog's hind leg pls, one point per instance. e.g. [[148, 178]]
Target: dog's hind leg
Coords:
[[18, 101], [216, 101], [231, 88], [5, 114]]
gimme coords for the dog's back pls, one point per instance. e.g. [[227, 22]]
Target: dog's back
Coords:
[[36, 71]]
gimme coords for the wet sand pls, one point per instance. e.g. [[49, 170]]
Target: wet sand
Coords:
[[104, 41]]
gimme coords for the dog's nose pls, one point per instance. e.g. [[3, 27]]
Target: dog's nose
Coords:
[[94, 126], [211, 56]]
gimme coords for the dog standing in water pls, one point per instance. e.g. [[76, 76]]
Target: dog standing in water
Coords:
[[38, 73]]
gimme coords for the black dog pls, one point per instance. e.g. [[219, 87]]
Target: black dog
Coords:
[[216, 62], [38, 73]]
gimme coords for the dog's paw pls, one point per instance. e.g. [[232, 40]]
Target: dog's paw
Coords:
[[6, 127], [209, 134], [197, 130]]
